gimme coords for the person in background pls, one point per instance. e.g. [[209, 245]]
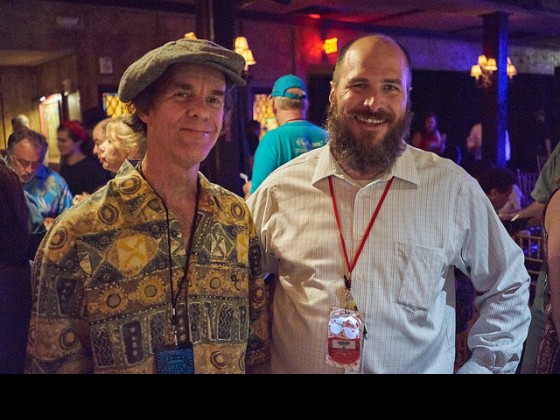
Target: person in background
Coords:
[[537, 143], [121, 143], [429, 137], [37, 227], [98, 136], [78, 167], [15, 272], [364, 234], [484, 171], [19, 121], [513, 202], [547, 182], [49, 190], [542, 133], [548, 356], [91, 117], [158, 271], [497, 183], [474, 143], [294, 135]]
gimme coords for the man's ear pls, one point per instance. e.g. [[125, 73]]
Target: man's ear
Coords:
[[331, 93], [144, 116]]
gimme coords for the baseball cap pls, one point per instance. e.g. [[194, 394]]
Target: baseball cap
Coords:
[[146, 70], [287, 82]]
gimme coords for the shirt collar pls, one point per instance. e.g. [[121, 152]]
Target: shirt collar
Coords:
[[404, 167], [209, 193]]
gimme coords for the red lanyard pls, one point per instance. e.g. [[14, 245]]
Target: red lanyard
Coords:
[[366, 234]]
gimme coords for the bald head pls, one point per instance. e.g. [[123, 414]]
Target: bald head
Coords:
[[20, 121], [369, 48]]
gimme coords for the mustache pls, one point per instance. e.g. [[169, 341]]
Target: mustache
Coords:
[[367, 113], [358, 151]]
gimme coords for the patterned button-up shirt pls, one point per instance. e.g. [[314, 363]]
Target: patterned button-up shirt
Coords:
[[50, 191], [103, 298]]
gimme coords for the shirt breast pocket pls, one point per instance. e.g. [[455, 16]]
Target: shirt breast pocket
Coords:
[[421, 276]]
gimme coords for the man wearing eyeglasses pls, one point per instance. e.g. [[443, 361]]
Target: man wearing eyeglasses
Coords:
[[25, 155]]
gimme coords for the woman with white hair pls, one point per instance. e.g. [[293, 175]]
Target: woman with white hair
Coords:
[[121, 143]]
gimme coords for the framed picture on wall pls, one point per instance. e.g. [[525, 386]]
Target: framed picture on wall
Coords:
[[262, 109], [50, 114]]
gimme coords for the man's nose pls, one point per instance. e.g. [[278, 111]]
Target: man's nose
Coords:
[[370, 101], [197, 107]]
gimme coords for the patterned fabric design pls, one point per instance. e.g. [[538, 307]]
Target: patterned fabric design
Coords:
[[102, 284], [50, 191], [548, 359]]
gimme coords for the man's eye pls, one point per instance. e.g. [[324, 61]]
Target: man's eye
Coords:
[[215, 101], [391, 88], [182, 94]]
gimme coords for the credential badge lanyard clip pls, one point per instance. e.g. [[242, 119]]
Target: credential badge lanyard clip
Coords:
[[349, 300]]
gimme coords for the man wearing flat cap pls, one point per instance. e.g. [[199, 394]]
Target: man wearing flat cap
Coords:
[[159, 271]]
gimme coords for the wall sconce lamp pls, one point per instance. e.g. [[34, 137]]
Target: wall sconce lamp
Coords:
[[511, 70], [486, 66], [242, 47]]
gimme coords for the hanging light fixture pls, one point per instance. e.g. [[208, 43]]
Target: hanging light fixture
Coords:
[[511, 70], [242, 47], [487, 66]]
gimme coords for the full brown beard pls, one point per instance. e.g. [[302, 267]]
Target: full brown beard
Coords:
[[361, 153]]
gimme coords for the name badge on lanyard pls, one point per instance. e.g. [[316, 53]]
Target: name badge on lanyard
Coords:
[[175, 360], [344, 339]]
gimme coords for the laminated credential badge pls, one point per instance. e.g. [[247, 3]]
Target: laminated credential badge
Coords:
[[345, 333]]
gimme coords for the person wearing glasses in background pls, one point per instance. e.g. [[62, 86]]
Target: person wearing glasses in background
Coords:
[[48, 189]]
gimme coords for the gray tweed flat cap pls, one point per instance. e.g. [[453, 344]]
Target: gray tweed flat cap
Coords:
[[153, 64]]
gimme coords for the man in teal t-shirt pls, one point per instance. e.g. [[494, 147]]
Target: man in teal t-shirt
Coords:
[[294, 134]]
